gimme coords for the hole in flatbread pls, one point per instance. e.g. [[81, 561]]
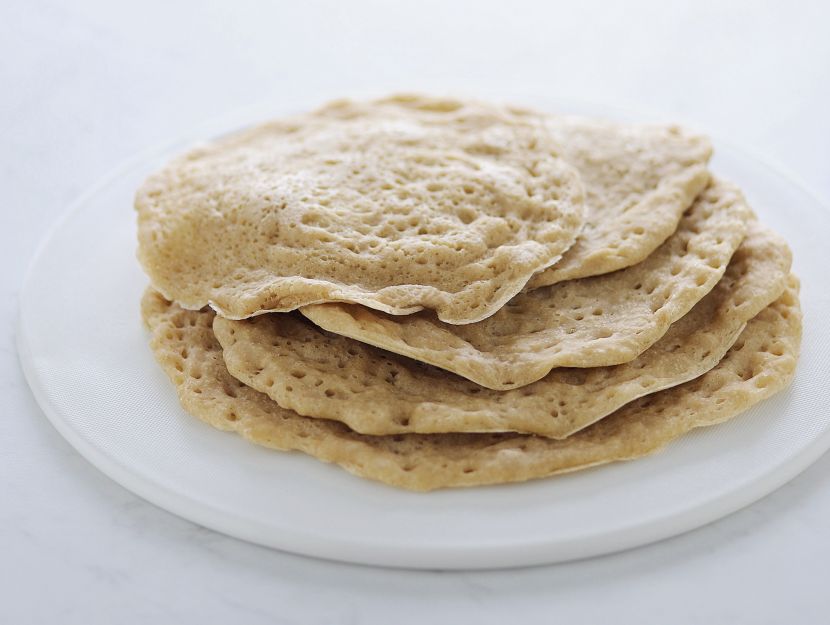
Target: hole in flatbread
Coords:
[[466, 215]]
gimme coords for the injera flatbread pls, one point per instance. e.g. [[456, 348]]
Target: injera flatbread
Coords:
[[638, 181], [760, 363], [322, 375], [451, 210], [592, 322]]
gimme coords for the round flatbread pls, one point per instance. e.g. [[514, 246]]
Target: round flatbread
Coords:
[[760, 363], [592, 322], [323, 375], [638, 181], [450, 208], [638, 178]]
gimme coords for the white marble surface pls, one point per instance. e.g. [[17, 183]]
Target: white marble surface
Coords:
[[86, 85]]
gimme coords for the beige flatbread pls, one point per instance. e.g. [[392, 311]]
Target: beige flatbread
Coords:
[[593, 322], [638, 181], [375, 392], [447, 209], [761, 363]]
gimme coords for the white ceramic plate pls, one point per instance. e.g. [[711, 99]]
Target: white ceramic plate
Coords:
[[85, 354]]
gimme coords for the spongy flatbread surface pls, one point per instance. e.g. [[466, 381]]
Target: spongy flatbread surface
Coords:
[[591, 322], [376, 392], [451, 208], [760, 363], [638, 181]]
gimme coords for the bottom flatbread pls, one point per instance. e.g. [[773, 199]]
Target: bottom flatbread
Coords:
[[759, 364]]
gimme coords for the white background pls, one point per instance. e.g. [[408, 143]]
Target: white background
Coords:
[[85, 85]]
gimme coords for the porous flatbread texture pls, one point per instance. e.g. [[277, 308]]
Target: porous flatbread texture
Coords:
[[638, 178], [638, 181], [447, 208], [759, 364], [592, 322], [322, 375]]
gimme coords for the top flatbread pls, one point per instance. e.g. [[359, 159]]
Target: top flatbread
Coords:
[[638, 181], [450, 208], [318, 374], [592, 322]]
